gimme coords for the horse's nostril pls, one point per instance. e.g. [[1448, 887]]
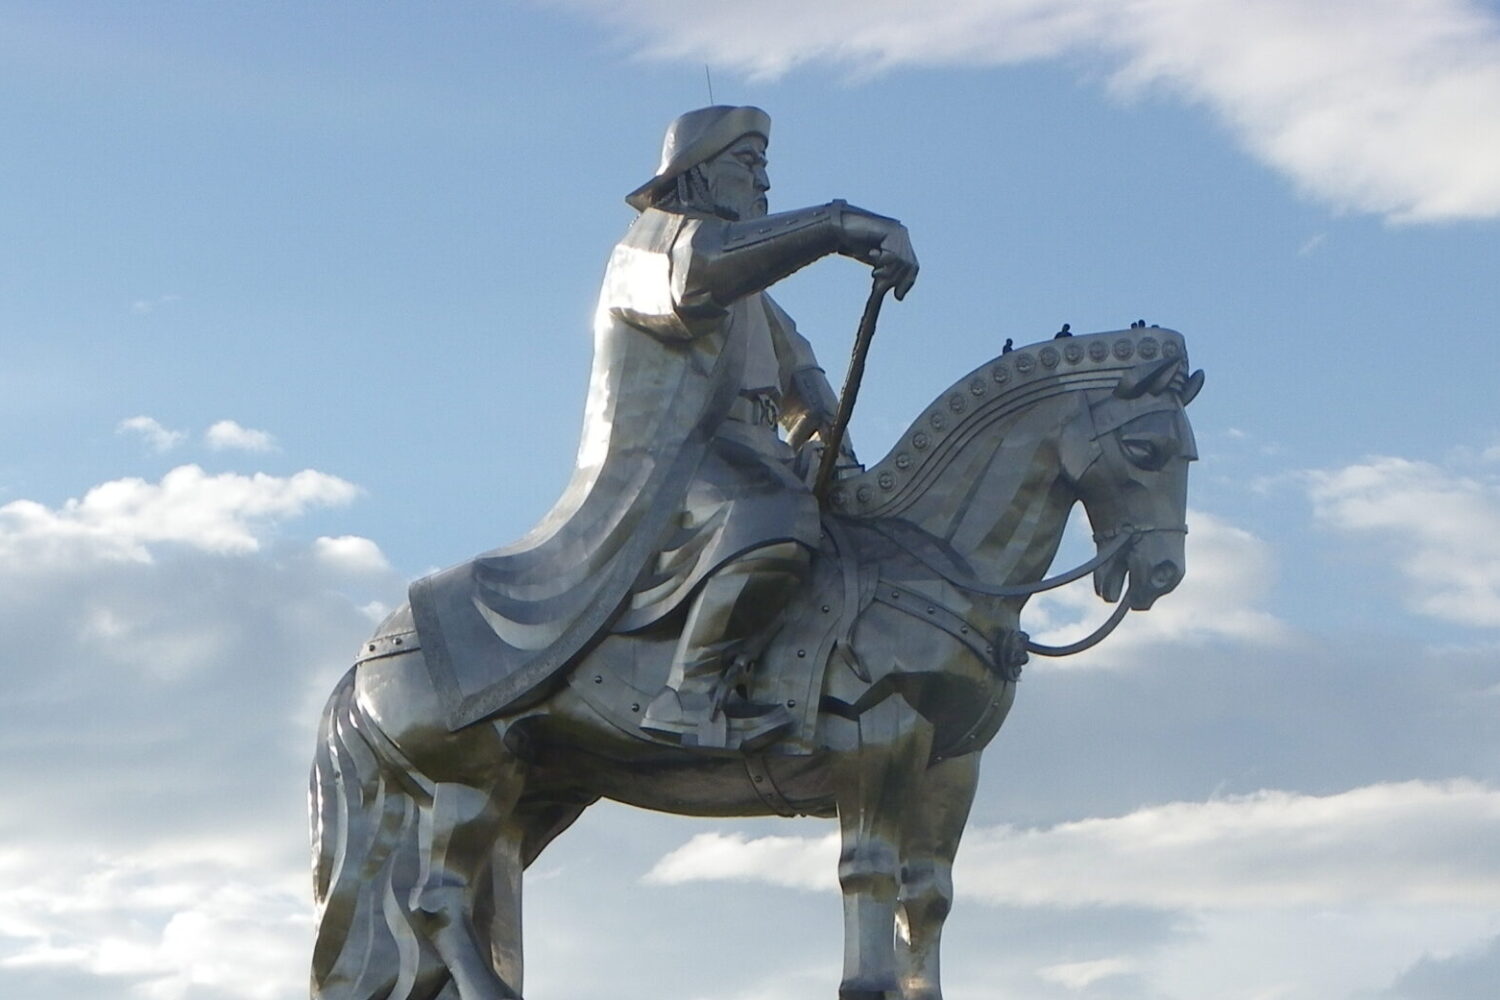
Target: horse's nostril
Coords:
[[1164, 576]]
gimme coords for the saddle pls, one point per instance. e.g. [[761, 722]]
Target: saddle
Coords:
[[619, 675], [619, 678]]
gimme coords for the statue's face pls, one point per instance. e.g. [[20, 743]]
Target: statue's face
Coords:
[[737, 179]]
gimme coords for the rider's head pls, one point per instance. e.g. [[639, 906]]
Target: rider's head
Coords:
[[713, 160]]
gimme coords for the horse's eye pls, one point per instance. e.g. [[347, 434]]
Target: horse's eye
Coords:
[[1144, 453]]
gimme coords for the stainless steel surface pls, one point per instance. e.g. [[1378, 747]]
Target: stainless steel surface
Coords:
[[879, 653]]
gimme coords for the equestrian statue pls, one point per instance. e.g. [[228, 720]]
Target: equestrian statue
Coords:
[[725, 614]]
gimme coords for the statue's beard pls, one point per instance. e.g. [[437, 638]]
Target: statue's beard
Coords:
[[757, 211]]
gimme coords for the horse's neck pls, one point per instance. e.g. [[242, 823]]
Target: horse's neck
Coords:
[[1000, 501]]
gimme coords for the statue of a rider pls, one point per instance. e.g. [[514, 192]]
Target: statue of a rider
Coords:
[[686, 495]]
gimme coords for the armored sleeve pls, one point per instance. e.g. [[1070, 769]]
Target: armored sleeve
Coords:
[[716, 262]]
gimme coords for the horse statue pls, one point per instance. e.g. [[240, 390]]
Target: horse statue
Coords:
[[900, 662]]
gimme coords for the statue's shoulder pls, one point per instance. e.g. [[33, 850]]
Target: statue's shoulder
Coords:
[[654, 230]]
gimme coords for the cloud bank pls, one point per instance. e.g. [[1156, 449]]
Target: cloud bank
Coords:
[[121, 519], [1390, 107], [165, 648], [1442, 527], [1411, 844], [1230, 574]]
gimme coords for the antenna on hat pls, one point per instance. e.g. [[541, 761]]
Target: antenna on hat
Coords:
[[709, 77]]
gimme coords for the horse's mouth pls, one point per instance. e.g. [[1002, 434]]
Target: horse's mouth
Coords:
[[1109, 579], [1146, 584]]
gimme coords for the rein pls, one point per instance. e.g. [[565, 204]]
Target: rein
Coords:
[[1119, 545], [1092, 639]]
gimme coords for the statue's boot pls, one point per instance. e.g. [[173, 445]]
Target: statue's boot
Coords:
[[738, 601]]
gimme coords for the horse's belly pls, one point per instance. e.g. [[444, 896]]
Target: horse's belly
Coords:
[[693, 785]]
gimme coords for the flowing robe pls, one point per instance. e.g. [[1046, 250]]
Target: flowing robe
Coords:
[[671, 480]]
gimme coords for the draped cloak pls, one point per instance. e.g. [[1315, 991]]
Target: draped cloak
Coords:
[[667, 487]]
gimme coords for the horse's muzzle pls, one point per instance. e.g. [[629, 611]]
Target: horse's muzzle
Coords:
[[1154, 566]]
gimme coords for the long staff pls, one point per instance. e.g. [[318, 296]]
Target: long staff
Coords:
[[856, 372]]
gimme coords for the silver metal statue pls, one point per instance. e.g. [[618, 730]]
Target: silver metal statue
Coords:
[[687, 631]]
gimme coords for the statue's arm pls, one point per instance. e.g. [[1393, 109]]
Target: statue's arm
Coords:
[[717, 262]]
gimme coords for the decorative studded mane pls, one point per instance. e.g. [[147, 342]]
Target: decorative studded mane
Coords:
[[995, 390]]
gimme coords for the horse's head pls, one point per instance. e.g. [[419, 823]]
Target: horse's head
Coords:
[[1127, 453]]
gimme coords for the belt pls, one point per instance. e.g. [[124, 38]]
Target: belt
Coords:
[[755, 408]]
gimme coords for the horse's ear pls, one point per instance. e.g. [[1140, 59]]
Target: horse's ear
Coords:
[[1194, 383], [1152, 377]]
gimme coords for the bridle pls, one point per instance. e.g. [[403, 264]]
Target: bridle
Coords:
[[1116, 542]]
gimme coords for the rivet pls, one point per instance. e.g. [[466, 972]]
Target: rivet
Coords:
[[635, 706], [826, 609], [931, 610], [372, 647], [896, 593], [598, 678], [791, 703], [801, 653], [397, 640], [758, 779], [964, 629]]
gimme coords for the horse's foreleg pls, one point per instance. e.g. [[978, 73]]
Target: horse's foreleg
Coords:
[[873, 785], [464, 851], [935, 820], [503, 928]]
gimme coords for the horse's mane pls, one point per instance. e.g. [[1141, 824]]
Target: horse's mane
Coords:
[[997, 389]]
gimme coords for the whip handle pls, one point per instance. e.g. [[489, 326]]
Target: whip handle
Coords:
[[832, 446]]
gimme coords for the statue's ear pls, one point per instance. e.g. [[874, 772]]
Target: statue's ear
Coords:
[[1078, 447]]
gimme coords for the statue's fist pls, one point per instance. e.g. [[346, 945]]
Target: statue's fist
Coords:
[[884, 244]]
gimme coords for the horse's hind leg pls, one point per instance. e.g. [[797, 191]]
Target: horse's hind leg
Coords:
[[874, 783], [935, 820], [467, 897]]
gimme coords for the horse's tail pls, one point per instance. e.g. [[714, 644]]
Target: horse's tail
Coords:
[[364, 837]]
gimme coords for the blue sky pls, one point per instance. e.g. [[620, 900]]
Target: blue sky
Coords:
[[294, 303]]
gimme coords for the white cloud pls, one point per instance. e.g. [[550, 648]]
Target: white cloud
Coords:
[[151, 430], [1470, 974], [1406, 844], [142, 307], [1081, 975], [351, 554], [1383, 106], [1311, 244], [1230, 573], [228, 435], [171, 931], [1442, 525], [224, 513], [164, 666]]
